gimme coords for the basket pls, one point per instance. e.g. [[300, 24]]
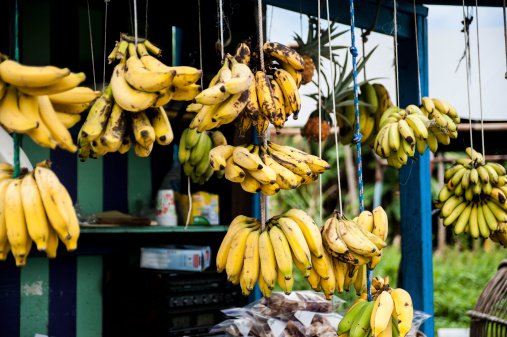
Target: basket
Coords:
[[488, 316]]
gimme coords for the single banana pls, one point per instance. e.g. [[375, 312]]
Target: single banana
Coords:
[[267, 260], [231, 108], [126, 143], [98, 116], [251, 262], [285, 284], [481, 222], [219, 155], [295, 165], [420, 130], [282, 252], [73, 227], [252, 106], [142, 151], [242, 54], [332, 237], [265, 96], [35, 215], [394, 137], [406, 132], [289, 89], [366, 220], [77, 95], [266, 292], [163, 130], [58, 131], [10, 115], [295, 74], [15, 225], [238, 223], [380, 223], [381, 314], [249, 184], [68, 120], [328, 285], [241, 78], [142, 129], [315, 163], [285, 178], [234, 172], [296, 240], [20, 75], [309, 229], [115, 129], [29, 107], [361, 325], [65, 84], [237, 252], [279, 116], [247, 160], [71, 108], [284, 54]]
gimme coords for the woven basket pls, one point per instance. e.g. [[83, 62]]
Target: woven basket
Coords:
[[488, 316]]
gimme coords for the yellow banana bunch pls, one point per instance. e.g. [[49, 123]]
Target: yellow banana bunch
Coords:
[[42, 102], [250, 254], [474, 199], [35, 208], [266, 171], [402, 131]]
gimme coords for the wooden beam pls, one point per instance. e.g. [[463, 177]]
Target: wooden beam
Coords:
[[34, 283]]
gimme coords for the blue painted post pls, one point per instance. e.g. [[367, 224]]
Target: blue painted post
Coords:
[[256, 213], [415, 187]]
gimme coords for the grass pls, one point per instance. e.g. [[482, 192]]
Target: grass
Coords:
[[459, 278]]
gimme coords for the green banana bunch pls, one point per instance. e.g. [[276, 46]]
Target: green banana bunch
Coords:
[[194, 152]]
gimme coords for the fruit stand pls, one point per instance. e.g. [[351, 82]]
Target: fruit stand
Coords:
[[95, 289]]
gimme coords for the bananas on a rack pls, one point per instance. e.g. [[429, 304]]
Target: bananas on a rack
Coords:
[[267, 171], [130, 113], [42, 102], [35, 207], [389, 314], [474, 198], [401, 131], [250, 255], [194, 152]]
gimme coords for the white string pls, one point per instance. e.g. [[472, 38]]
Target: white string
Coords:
[[505, 35], [221, 30], [91, 46], [333, 74], [105, 36], [465, 35], [135, 22], [200, 39], [264, 139], [271, 23], [417, 55], [146, 24], [480, 85], [189, 204], [320, 106], [396, 54]]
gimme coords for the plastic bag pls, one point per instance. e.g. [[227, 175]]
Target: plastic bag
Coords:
[[322, 325], [419, 318], [251, 327]]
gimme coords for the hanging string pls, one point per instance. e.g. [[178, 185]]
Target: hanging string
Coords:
[[221, 29], [146, 23], [505, 35], [189, 204], [271, 23], [264, 139], [333, 75], [467, 50], [364, 39], [106, 2], [91, 45], [320, 106], [417, 54], [131, 20], [16, 137], [200, 40], [396, 54], [480, 85], [135, 23]]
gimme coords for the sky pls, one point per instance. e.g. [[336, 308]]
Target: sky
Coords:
[[446, 45]]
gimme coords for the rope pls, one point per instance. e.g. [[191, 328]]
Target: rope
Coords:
[[146, 24], [333, 75], [505, 35], [467, 46], [396, 54], [135, 22], [357, 135], [320, 107], [106, 2], [91, 45], [16, 137], [221, 29], [480, 85], [264, 139], [200, 40], [417, 55]]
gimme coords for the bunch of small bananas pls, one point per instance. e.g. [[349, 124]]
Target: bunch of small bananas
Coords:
[[267, 171], [194, 151], [250, 255], [389, 314], [35, 207], [378, 101], [474, 198], [42, 102], [402, 130]]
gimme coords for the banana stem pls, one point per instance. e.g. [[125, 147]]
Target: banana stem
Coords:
[[112, 56]]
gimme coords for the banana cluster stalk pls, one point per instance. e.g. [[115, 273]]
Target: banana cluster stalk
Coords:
[[42, 102], [194, 151], [249, 255], [389, 314], [401, 131], [35, 207], [267, 171], [374, 100], [474, 198]]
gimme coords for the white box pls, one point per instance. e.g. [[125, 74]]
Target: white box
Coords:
[[176, 257]]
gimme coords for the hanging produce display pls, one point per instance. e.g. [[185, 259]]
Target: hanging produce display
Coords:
[[35, 207], [132, 104], [401, 131], [194, 152], [474, 198], [42, 102], [267, 171], [390, 313], [257, 99]]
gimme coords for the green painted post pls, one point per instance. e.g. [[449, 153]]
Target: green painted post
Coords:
[[34, 301], [139, 182], [89, 296], [90, 185]]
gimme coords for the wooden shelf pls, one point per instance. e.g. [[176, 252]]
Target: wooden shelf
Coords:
[[153, 229]]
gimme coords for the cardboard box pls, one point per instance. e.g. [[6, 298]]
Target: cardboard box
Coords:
[[176, 257]]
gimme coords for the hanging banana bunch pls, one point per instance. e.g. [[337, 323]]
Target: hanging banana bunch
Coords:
[[37, 208], [130, 113], [401, 131], [474, 198], [42, 102], [267, 170]]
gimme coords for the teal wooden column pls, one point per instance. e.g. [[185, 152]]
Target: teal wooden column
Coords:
[[89, 296], [139, 182], [90, 185], [415, 187], [34, 297]]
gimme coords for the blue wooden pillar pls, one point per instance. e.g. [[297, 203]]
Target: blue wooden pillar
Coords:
[[415, 186]]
